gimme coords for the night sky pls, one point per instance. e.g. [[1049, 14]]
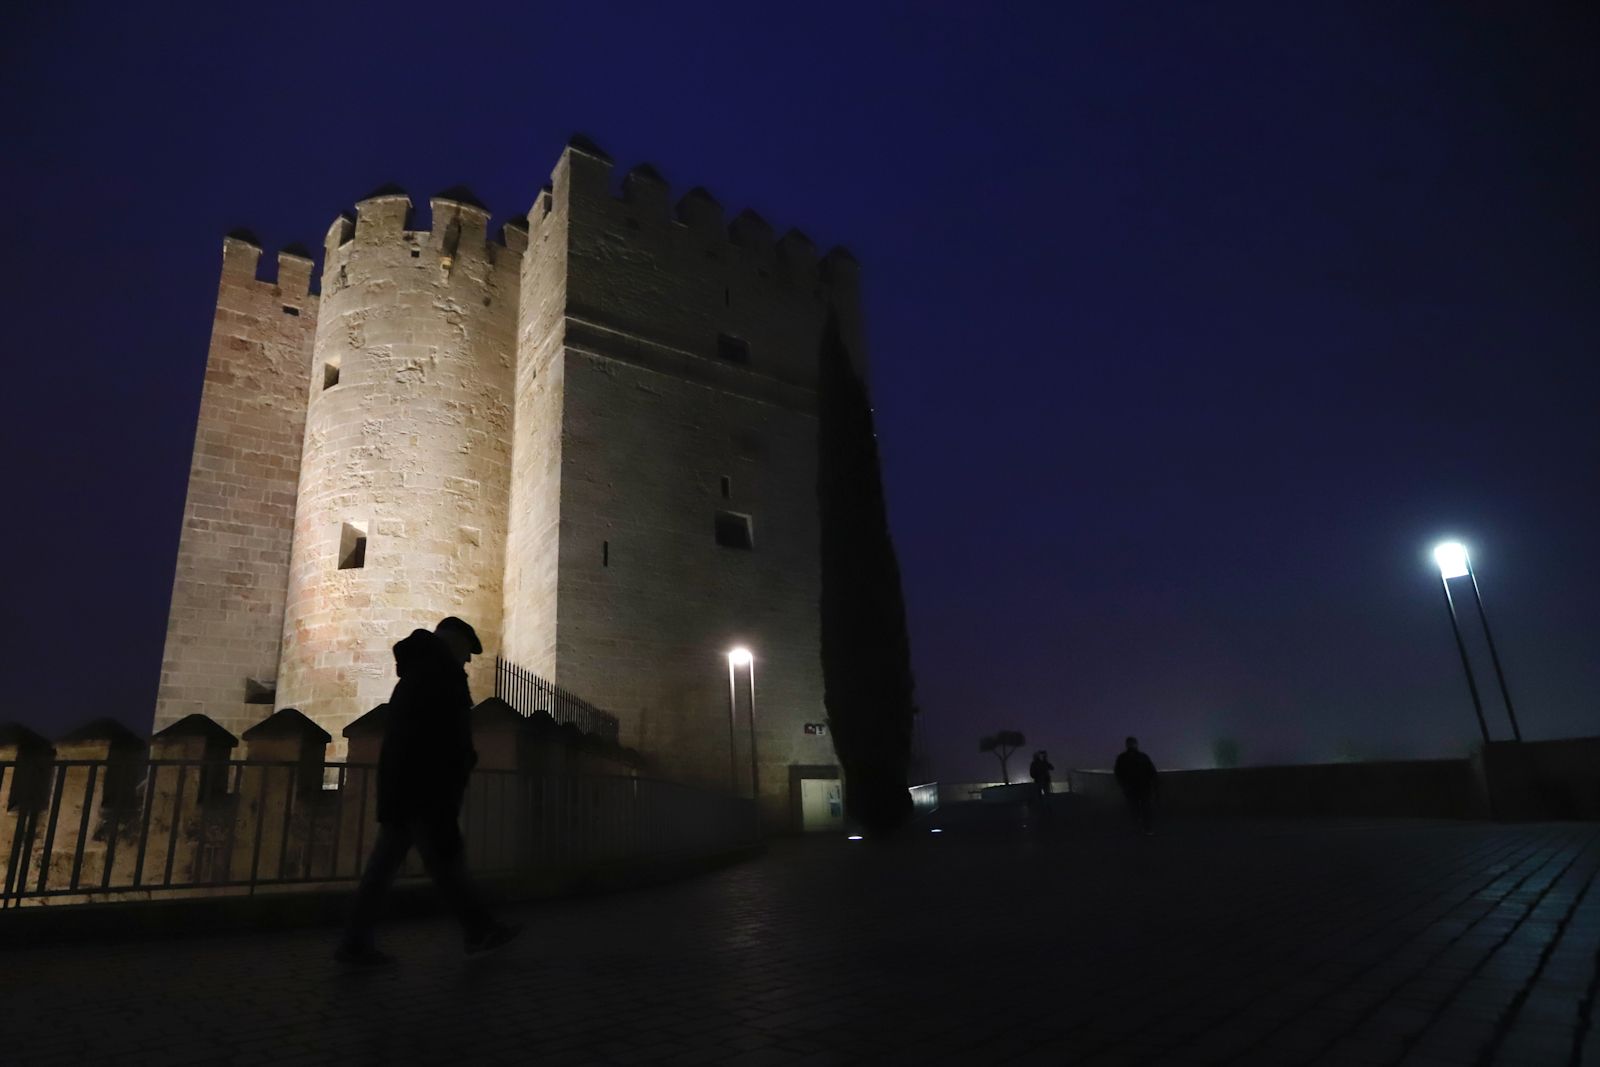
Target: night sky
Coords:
[[1192, 327]]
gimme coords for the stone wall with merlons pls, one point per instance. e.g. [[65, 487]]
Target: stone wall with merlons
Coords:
[[226, 618], [407, 444]]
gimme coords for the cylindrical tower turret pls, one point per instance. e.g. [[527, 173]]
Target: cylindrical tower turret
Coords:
[[403, 493]]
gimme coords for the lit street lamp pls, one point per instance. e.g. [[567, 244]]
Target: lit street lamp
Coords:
[[1455, 562], [741, 657], [1452, 560]]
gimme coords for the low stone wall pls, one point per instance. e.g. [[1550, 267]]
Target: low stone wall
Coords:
[[102, 815], [1505, 780], [1541, 779], [1435, 789]]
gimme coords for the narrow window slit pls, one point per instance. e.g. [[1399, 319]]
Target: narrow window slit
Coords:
[[353, 546]]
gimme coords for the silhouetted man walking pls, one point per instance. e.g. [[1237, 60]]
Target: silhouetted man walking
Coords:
[[1039, 770], [423, 768], [1136, 774]]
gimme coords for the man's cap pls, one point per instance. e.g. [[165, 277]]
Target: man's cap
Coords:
[[450, 622]]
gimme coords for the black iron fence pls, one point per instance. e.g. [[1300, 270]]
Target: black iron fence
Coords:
[[530, 694], [74, 831]]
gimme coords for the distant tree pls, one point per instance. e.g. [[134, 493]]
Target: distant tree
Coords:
[[1225, 752], [866, 651], [1002, 745]]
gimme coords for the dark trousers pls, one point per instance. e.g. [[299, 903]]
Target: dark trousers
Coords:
[[1139, 804], [439, 843]]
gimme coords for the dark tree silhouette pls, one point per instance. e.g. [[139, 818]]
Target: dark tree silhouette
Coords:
[[866, 653], [1225, 752], [1002, 745]]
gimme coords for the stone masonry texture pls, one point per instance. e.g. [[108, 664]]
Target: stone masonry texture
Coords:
[[228, 593], [539, 433]]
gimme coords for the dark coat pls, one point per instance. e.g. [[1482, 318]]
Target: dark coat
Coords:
[[1039, 770], [1135, 773], [427, 752]]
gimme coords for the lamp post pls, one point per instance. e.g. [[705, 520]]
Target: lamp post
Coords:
[[733, 748], [741, 657], [1452, 560], [1494, 656]]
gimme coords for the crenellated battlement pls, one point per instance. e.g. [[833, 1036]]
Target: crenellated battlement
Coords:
[[241, 261], [458, 227], [642, 205]]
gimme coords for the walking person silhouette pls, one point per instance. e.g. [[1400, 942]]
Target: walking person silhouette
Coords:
[[1039, 770], [423, 768], [1136, 774]]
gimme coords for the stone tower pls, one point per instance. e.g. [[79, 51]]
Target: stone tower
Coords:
[[403, 481], [226, 617], [595, 439]]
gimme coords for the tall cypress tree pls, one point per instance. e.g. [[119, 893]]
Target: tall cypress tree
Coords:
[[866, 652]]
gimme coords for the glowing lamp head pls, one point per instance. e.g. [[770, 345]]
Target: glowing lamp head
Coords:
[[854, 837], [740, 657], [1452, 559]]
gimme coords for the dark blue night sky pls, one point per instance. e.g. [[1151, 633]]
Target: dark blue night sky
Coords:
[[1192, 328]]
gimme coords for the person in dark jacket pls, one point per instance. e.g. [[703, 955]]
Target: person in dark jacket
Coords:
[[423, 768], [1039, 770], [1136, 774]]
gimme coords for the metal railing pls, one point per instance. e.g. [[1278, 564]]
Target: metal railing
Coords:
[[86, 830], [530, 694]]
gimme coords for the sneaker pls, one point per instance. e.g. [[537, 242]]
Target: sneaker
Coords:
[[362, 956], [492, 938]]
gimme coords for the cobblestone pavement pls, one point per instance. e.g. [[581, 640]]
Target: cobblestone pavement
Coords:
[[1212, 942]]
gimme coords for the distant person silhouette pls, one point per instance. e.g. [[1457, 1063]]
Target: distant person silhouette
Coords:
[[1039, 770], [1136, 774], [423, 768]]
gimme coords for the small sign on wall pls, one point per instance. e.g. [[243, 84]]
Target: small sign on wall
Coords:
[[816, 727]]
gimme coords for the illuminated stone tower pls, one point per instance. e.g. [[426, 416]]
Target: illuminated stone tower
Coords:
[[403, 481], [594, 438]]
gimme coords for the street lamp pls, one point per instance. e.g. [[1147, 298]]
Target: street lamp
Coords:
[[1455, 562], [741, 657], [1451, 558], [1462, 568]]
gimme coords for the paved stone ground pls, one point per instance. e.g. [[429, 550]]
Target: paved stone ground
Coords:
[[1213, 942]]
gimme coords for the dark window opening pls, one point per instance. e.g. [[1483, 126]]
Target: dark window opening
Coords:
[[353, 546], [733, 349], [727, 487], [733, 531], [330, 375], [259, 692], [605, 553], [416, 253], [289, 309]]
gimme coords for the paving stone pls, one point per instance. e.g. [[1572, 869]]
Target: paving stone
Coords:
[[1216, 942]]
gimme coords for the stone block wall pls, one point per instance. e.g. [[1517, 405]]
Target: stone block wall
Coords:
[[226, 619], [684, 374], [407, 452]]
